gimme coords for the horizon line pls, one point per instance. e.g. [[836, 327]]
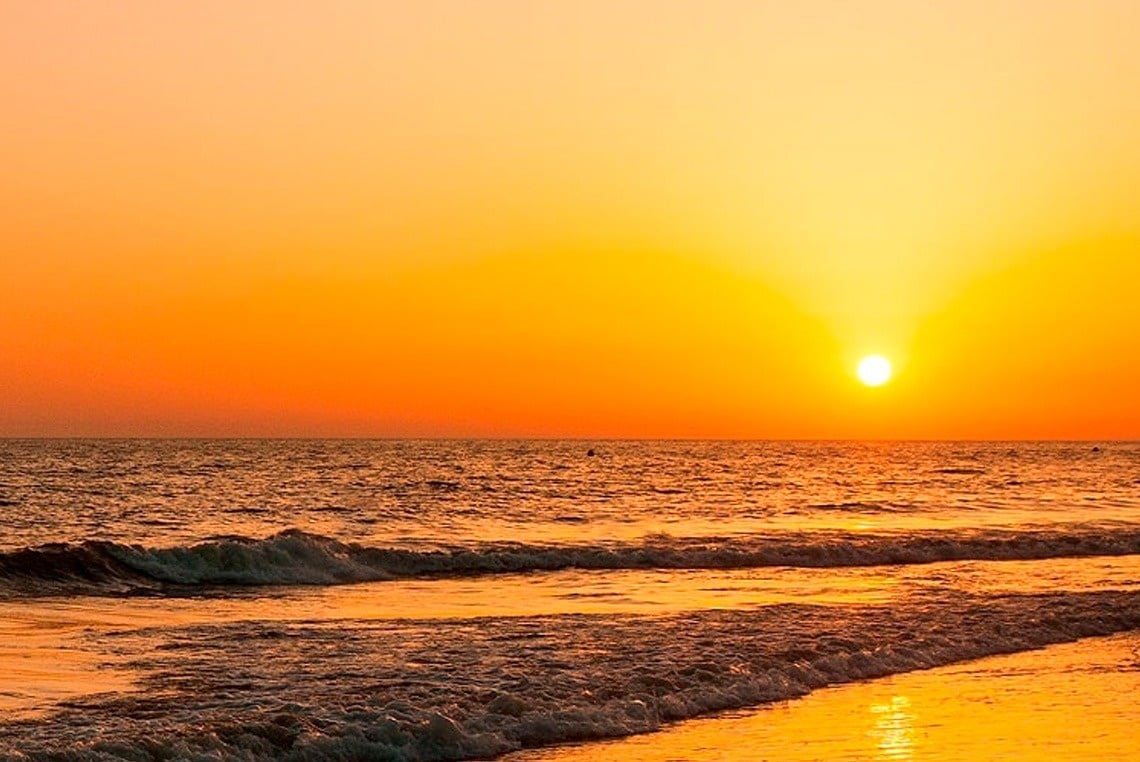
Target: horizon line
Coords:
[[806, 440]]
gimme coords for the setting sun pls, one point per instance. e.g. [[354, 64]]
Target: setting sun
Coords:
[[874, 370], [446, 381]]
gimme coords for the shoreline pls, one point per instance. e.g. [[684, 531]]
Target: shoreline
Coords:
[[1071, 701]]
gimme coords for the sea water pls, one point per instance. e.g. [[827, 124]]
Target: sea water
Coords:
[[443, 600]]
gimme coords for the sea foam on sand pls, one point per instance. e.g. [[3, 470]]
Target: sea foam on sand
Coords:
[[1074, 701], [451, 689]]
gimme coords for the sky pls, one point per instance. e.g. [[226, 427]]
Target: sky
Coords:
[[586, 219]]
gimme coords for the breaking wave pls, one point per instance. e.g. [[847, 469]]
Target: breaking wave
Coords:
[[457, 690], [293, 557]]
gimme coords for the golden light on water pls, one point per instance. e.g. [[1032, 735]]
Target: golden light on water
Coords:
[[894, 728], [874, 370]]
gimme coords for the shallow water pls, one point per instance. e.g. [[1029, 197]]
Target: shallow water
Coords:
[[440, 600], [1066, 702]]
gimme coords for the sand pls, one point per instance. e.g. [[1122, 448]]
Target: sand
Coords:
[[1075, 701]]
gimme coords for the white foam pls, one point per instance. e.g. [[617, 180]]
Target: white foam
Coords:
[[435, 690], [298, 558]]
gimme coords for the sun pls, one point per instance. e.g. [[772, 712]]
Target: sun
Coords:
[[874, 370]]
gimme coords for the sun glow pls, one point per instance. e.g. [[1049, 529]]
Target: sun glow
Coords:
[[561, 219], [874, 370]]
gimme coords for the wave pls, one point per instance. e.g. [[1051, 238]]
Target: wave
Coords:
[[294, 557], [475, 689]]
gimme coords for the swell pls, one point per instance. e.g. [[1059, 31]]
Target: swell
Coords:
[[298, 558]]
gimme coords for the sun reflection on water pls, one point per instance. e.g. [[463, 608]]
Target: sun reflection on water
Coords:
[[894, 728]]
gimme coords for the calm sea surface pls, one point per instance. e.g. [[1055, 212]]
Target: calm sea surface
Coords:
[[441, 600]]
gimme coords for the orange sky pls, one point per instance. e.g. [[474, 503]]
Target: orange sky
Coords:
[[615, 218]]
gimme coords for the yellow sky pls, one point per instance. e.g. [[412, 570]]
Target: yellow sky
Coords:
[[586, 219]]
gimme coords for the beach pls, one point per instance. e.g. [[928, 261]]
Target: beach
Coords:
[[1066, 702], [353, 599], [655, 380]]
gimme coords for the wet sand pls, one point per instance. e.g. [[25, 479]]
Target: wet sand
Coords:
[[45, 660], [1075, 701]]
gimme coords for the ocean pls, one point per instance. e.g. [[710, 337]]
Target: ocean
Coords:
[[444, 600]]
